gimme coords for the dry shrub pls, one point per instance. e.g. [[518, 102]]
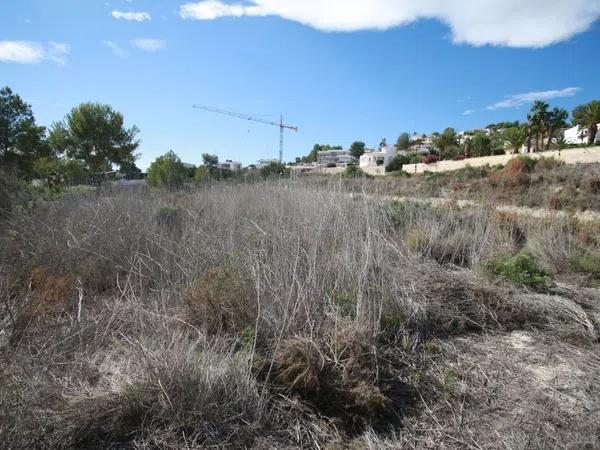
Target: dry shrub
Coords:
[[516, 172], [547, 163], [370, 400], [223, 300], [300, 365], [50, 297]]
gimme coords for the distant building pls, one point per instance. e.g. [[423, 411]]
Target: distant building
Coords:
[[230, 165], [337, 157], [577, 135], [382, 157], [265, 162]]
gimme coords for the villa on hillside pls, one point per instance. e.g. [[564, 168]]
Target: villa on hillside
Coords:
[[337, 157], [577, 135], [230, 165], [265, 162], [382, 157]]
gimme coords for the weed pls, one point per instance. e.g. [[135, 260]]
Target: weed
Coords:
[[521, 268]]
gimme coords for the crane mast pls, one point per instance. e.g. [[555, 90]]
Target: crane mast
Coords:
[[282, 126]]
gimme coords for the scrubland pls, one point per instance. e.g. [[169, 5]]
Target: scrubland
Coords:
[[286, 314], [544, 183]]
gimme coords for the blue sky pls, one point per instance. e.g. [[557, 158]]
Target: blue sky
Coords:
[[345, 71]]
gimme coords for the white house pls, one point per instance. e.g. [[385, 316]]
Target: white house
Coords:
[[265, 162], [337, 157], [231, 165], [578, 135], [378, 158]]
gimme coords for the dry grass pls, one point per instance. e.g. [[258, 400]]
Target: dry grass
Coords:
[[286, 315]]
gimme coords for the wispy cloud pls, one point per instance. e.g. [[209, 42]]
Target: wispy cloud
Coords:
[[149, 45], [511, 23], [116, 49], [28, 52], [516, 100], [468, 112], [134, 16]]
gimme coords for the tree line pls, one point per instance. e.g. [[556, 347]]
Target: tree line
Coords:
[[86, 144]]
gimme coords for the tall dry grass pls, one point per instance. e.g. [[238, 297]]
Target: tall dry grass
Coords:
[[277, 314]]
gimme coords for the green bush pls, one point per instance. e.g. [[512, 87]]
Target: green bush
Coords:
[[168, 172], [396, 163], [587, 261], [353, 171], [521, 268]]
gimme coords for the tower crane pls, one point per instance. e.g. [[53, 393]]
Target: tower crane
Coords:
[[282, 126]]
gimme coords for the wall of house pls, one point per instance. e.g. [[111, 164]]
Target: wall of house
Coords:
[[568, 156]]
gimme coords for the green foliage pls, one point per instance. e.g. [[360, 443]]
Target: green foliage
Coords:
[[515, 137], [481, 144], [72, 171], [403, 142], [588, 117], [168, 172], [444, 141], [274, 169], [587, 261], [95, 133], [397, 162], [202, 174], [503, 125], [357, 149], [130, 171], [21, 140], [528, 161], [210, 160], [353, 171], [521, 268]]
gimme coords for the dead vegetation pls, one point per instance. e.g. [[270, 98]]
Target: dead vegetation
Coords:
[[288, 315]]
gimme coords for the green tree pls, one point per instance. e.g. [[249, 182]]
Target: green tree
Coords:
[[73, 171], [557, 119], [397, 162], [383, 143], [357, 149], [167, 171], [515, 137], [274, 169], [588, 116], [538, 123], [403, 142], [444, 141], [130, 171], [95, 133], [210, 160], [202, 174], [21, 140]]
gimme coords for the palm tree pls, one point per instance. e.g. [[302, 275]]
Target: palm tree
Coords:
[[588, 116], [445, 140], [557, 119], [538, 119], [516, 137]]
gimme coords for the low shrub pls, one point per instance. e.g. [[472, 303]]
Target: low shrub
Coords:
[[547, 163], [169, 220], [223, 300], [430, 159], [353, 171], [521, 268], [587, 261]]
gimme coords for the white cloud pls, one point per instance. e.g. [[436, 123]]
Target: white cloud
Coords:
[[516, 100], [468, 112], [135, 16], [27, 52], [149, 45], [116, 49], [512, 23]]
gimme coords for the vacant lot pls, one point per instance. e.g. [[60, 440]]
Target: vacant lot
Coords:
[[523, 182], [292, 315]]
